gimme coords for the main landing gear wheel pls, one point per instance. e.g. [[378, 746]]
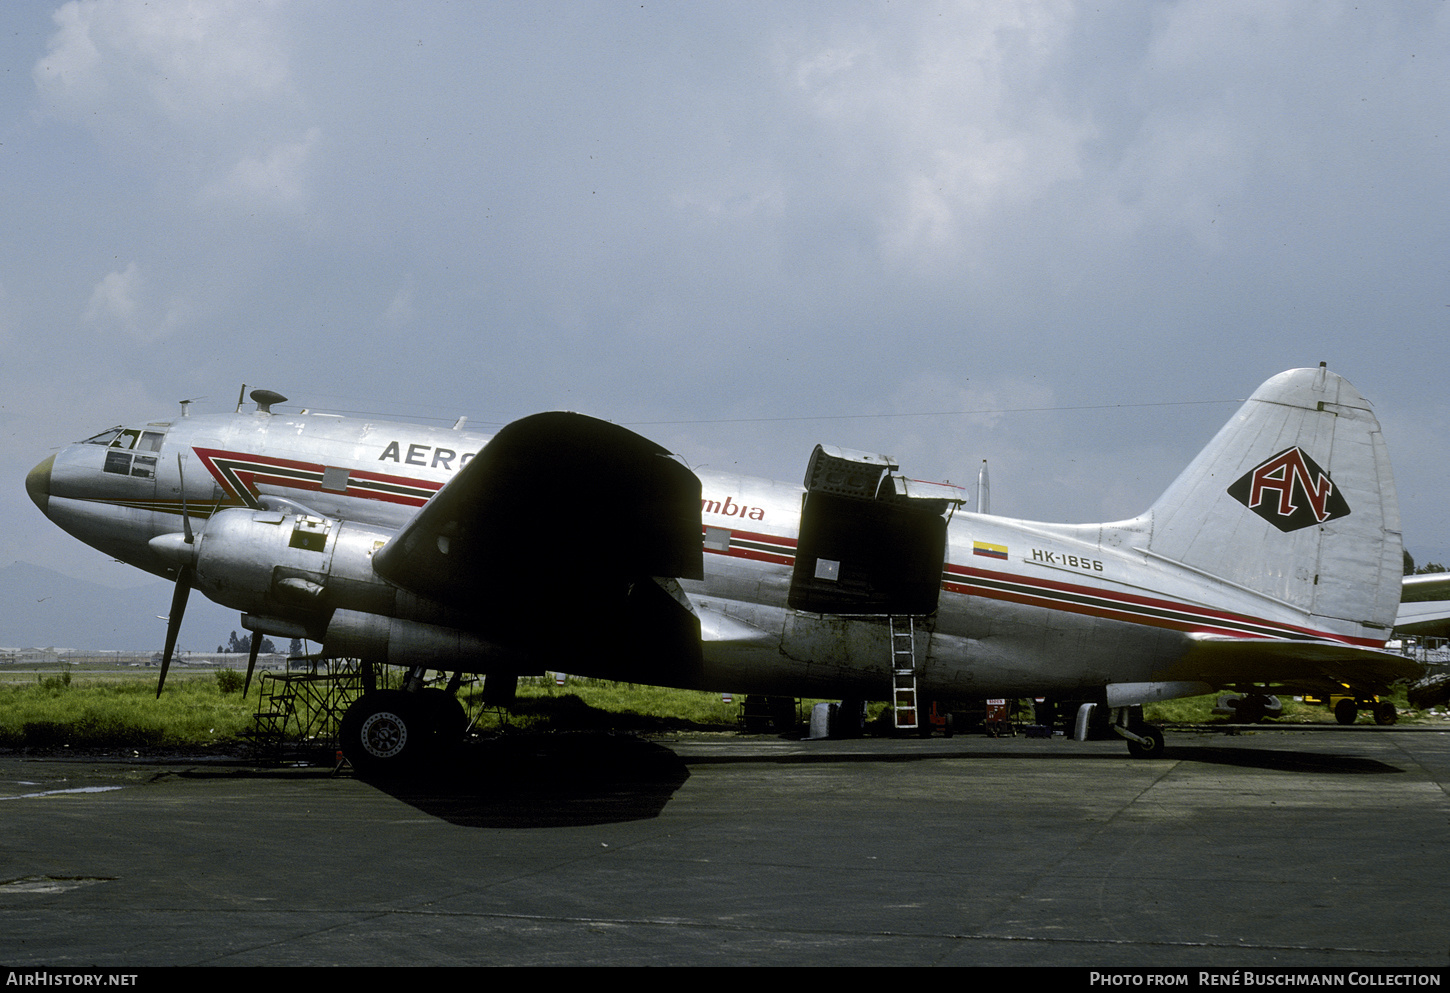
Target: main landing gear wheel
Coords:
[[385, 731], [446, 715]]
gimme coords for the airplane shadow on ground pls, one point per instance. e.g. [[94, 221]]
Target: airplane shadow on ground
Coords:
[[1284, 760], [576, 779], [1302, 762], [535, 781]]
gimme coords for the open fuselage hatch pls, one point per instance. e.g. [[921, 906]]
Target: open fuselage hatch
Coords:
[[871, 541]]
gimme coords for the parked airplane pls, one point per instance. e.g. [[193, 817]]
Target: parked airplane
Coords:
[[1271, 565]]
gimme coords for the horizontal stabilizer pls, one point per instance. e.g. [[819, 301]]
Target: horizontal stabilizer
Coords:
[[1292, 666], [1429, 617]]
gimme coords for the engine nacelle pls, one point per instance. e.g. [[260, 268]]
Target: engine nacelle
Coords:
[[292, 573], [396, 641], [269, 562], [297, 568]]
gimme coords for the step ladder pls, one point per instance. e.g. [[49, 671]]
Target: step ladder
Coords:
[[276, 707], [903, 671]]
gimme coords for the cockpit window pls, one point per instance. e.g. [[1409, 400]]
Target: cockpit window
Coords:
[[132, 439], [104, 438], [122, 441], [125, 464]]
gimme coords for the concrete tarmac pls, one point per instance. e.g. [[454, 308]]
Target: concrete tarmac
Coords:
[[1272, 848]]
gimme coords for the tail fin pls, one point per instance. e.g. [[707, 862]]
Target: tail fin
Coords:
[[1294, 499]]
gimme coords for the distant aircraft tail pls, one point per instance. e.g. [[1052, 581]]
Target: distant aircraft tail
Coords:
[[1294, 500]]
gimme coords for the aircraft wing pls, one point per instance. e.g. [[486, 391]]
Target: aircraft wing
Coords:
[[1293, 666], [550, 497], [557, 502]]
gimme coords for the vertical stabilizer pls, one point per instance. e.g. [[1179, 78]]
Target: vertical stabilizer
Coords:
[[1294, 499]]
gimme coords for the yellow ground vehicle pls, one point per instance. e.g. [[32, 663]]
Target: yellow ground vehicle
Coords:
[[1346, 707]]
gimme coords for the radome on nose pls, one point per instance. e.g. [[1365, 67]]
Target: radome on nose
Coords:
[[37, 484]]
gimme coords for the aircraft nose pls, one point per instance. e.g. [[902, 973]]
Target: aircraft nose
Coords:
[[37, 484]]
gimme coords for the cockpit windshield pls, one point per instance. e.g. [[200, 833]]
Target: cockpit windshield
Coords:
[[104, 438], [134, 439]]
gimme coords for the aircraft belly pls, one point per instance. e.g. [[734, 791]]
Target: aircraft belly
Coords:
[[778, 651], [753, 648], [991, 667], [1020, 649], [971, 647]]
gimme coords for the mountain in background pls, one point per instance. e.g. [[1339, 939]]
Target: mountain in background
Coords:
[[40, 608]]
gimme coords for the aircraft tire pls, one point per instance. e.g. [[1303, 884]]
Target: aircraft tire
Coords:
[[385, 731], [848, 719], [1345, 711], [783, 714], [1154, 747], [445, 713], [1385, 713], [1247, 710]]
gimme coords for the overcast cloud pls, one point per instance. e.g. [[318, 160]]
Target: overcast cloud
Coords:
[[1061, 237]]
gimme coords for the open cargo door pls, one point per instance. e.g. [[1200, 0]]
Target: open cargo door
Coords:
[[871, 541]]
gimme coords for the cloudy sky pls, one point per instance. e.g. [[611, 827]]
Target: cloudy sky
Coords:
[[1063, 237]]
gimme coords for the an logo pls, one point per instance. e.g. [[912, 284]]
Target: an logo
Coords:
[[1290, 491]]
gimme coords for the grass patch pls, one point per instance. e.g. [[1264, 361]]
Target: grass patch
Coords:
[[1199, 710], [600, 704], [124, 713], [205, 710]]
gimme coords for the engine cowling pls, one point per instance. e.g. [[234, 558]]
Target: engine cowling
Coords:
[[399, 641], [291, 571]]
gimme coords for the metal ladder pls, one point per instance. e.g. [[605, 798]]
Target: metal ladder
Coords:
[[903, 670]]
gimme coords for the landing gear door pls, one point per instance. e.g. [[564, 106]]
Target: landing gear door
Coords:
[[871, 541]]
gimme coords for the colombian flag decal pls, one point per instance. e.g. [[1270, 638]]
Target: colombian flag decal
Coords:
[[989, 550]]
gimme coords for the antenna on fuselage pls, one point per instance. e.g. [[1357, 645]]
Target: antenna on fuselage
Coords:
[[984, 490], [265, 399], [241, 395]]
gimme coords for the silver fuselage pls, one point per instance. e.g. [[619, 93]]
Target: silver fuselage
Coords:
[[1025, 608]]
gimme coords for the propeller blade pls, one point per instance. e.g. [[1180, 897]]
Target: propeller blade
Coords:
[[251, 661], [173, 622]]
